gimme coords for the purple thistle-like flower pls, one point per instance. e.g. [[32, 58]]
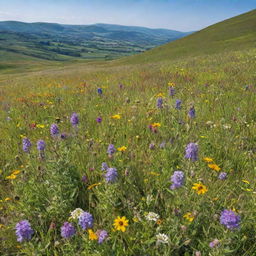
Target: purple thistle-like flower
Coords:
[[178, 104], [111, 149], [67, 230], [74, 120], [104, 166], [192, 152], [230, 219], [159, 102], [102, 235], [192, 112], [85, 220], [111, 175], [40, 145], [23, 231], [100, 91], [171, 91], [99, 119], [54, 130], [177, 179], [222, 175], [26, 145]]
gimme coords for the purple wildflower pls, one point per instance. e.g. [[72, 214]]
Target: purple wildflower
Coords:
[[178, 104], [102, 235], [54, 130], [23, 231], [159, 102], [177, 179], [111, 175], [67, 230], [152, 146], [192, 152], [171, 91], [121, 86], [85, 220], [192, 112], [63, 135], [222, 175], [104, 166], [230, 219], [162, 145], [40, 145], [100, 91], [74, 119], [111, 149], [214, 243], [99, 119], [26, 145], [84, 179]]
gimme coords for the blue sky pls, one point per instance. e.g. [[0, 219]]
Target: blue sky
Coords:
[[183, 15]]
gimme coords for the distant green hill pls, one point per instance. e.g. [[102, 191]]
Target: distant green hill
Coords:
[[50, 41], [233, 34]]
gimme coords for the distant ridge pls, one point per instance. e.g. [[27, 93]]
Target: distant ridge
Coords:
[[232, 34]]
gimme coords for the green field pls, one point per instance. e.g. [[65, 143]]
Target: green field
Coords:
[[212, 70]]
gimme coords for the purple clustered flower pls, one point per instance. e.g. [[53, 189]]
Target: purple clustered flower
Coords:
[[67, 230], [100, 91], [192, 152], [85, 220], [111, 149], [171, 91], [230, 219], [222, 175], [178, 104], [40, 145], [99, 119], [74, 120], [177, 179], [102, 235], [159, 102], [192, 112], [23, 231], [54, 130], [111, 175], [26, 145], [104, 166]]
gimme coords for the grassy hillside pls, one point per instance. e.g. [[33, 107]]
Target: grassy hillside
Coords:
[[233, 34]]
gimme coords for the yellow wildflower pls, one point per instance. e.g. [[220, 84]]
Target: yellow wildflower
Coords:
[[189, 216], [116, 116], [214, 167], [200, 188], [40, 126], [92, 235], [121, 223], [11, 177], [208, 159], [154, 125], [122, 149], [93, 185], [16, 172], [171, 84]]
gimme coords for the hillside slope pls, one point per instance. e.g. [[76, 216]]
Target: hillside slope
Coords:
[[233, 34]]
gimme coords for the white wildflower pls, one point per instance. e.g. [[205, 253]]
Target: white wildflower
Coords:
[[151, 216], [162, 239], [76, 213]]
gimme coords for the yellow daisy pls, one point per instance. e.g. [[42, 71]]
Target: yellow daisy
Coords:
[[92, 235], [121, 223], [200, 188], [214, 167]]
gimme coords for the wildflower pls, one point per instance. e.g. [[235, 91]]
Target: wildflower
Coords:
[[120, 224], [92, 235], [11, 177], [76, 213], [200, 188], [16, 172], [23, 231], [100, 91], [177, 179], [122, 149], [192, 152], [192, 112], [171, 91], [162, 238], [102, 235], [85, 220], [189, 216], [116, 117], [54, 130], [151, 216], [74, 120], [155, 125], [67, 230], [214, 243], [151, 146], [111, 149], [159, 102], [171, 84], [208, 159], [111, 175], [178, 104], [93, 185], [99, 119], [26, 145], [222, 175], [40, 145], [214, 167], [230, 219], [84, 179], [104, 166], [63, 135]]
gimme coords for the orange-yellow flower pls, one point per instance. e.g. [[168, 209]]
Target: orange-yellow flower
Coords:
[[92, 235], [200, 188], [122, 149], [189, 216], [208, 159], [121, 223], [116, 116], [214, 167], [154, 125]]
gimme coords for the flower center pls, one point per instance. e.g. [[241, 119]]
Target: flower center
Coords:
[[121, 223]]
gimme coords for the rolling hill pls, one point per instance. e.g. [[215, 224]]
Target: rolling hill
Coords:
[[236, 33]]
